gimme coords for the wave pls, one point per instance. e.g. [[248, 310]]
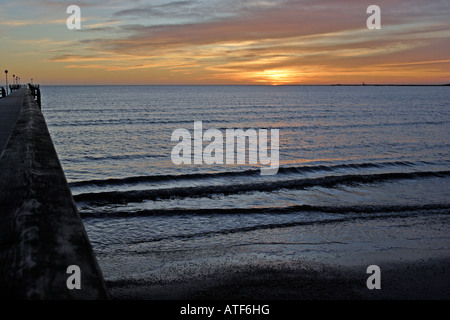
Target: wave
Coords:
[[118, 157], [142, 118], [384, 213], [206, 191], [366, 209], [124, 121], [250, 172]]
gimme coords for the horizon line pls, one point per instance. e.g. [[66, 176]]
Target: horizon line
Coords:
[[257, 85]]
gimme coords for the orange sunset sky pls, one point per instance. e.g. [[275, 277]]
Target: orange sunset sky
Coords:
[[225, 42]]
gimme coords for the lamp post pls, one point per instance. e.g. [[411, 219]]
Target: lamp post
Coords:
[[6, 76]]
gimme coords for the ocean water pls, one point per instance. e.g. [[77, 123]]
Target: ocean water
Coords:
[[346, 154]]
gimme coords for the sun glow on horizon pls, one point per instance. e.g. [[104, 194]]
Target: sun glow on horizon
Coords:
[[278, 77]]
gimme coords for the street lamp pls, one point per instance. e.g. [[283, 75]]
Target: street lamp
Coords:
[[6, 76]]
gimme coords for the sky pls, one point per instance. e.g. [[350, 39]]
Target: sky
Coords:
[[225, 42]]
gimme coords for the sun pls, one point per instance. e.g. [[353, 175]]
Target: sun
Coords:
[[277, 76]]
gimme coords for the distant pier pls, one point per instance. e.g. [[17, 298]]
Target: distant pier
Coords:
[[41, 232]]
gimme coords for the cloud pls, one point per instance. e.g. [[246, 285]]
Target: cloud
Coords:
[[166, 9], [289, 41], [22, 23]]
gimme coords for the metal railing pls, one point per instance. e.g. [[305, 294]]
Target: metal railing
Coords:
[[13, 87], [36, 92]]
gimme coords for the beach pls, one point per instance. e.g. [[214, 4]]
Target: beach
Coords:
[[292, 269], [424, 280]]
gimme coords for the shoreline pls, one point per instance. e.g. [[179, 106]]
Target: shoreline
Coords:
[[412, 254], [420, 280]]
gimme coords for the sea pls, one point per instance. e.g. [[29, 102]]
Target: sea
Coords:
[[347, 155]]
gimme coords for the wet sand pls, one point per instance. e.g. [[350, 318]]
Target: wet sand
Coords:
[[422, 280], [318, 262]]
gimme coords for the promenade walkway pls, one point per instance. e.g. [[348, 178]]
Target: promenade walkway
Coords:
[[10, 107]]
